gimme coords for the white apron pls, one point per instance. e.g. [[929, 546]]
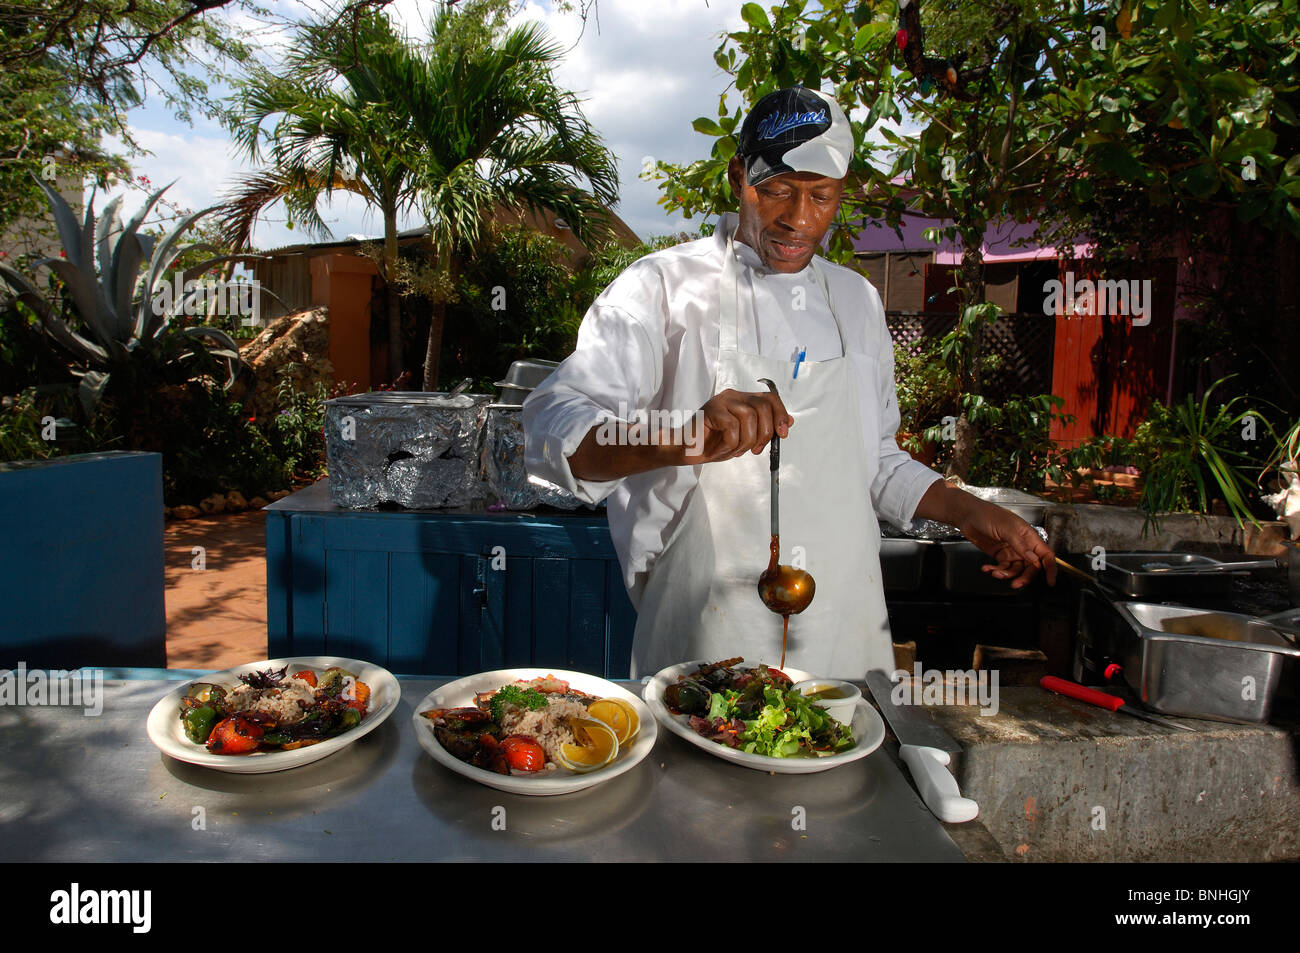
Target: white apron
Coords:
[[701, 598]]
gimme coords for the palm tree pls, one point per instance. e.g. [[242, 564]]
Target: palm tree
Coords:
[[456, 130]]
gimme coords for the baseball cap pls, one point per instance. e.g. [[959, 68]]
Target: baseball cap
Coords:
[[795, 130]]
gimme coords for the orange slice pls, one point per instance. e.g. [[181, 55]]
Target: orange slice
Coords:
[[619, 715], [597, 746]]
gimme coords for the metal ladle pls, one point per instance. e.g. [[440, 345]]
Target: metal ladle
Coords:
[[784, 589]]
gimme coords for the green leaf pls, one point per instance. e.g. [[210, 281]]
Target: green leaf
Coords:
[[1202, 181], [1118, 160], [755, 16], [1254, 140], [707, 127], [870, 35], [744, 75]]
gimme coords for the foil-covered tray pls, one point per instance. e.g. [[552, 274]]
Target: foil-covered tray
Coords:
[[503, 463], [416, 450], [1028, 507]]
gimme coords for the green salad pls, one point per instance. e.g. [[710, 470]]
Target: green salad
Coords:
[[756, 711]]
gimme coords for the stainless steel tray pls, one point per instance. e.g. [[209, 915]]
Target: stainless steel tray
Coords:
[[1144, 575], [902, 563], [1218, 665], [963, 572]]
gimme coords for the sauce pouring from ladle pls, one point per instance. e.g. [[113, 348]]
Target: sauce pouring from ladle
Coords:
[[784, 589]]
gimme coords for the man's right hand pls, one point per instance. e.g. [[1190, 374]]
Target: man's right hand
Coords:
[[735, 422], [730, 424]]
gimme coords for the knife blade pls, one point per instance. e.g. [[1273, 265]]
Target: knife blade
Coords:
[[926, 749]]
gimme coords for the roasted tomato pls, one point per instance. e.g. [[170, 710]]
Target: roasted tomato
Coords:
[[360, 697], [308, 676], [235, 735], [523, 753]]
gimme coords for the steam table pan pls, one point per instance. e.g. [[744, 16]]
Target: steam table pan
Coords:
[[1141, 575], [1218, 665]]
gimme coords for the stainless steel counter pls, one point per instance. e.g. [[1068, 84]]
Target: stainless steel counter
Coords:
[[82, 788]]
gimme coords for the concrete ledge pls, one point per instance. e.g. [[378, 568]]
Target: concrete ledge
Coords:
[[1059, 780], [1078, 527]]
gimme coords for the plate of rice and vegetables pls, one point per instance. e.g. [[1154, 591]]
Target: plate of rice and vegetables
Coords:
[[756, 716], [273, 715], [535, 731]]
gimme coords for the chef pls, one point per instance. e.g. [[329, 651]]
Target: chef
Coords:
[[660, 411]]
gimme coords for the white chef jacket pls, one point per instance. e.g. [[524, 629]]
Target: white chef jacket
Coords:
[[650, 342]]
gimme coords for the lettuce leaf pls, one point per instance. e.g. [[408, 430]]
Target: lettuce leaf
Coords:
[[719, 706]]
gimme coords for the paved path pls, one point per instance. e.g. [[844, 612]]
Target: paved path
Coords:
[[216, 617]]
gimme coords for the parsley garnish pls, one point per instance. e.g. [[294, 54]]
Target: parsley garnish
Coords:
[[529, 698]]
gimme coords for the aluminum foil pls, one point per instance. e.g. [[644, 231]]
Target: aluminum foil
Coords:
[[503, 462], [919, 529], [417, 450], [1027, 507]]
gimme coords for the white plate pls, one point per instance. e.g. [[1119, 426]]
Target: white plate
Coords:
[[868, 729], [460, 694], [167, 732]]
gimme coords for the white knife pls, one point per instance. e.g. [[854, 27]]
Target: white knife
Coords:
[[926, 750]]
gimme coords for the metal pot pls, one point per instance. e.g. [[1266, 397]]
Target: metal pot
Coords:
[[523, 378]]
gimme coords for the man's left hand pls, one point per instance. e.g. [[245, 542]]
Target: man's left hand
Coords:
[[1020, 552]]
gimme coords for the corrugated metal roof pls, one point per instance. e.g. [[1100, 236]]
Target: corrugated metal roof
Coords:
[[420, 232]]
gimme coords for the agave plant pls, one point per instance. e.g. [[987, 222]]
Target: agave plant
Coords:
[[124, 320]]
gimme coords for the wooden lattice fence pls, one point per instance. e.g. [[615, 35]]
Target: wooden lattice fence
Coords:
[[1024, 342]]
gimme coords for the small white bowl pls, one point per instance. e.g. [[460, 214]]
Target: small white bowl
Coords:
[[841, 709]]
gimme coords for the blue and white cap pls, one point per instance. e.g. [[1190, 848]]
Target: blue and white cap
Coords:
[[795, 130]]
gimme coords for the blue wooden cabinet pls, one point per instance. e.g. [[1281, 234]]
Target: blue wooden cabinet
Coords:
[[81, 561], [445, 592]]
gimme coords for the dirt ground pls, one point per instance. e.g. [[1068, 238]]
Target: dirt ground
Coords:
[[216, 614]]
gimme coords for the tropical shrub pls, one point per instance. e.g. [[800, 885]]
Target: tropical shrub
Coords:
[[1195, 452], [297, 430]]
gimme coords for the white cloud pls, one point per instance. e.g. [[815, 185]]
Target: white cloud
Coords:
[[645, 71]]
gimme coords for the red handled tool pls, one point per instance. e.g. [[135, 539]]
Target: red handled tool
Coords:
[[1102, 700]]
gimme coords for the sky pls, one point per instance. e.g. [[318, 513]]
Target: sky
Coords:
[[645, 71]]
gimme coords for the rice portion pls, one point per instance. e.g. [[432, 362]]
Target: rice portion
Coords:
[[548, 726], [287, 702]]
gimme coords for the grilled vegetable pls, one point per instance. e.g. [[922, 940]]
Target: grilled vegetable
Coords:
[[199, 722], [331, 680], [206, 692], [235, 735], [687, 697]]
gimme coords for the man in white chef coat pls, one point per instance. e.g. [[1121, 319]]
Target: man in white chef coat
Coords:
[[660, 410]]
